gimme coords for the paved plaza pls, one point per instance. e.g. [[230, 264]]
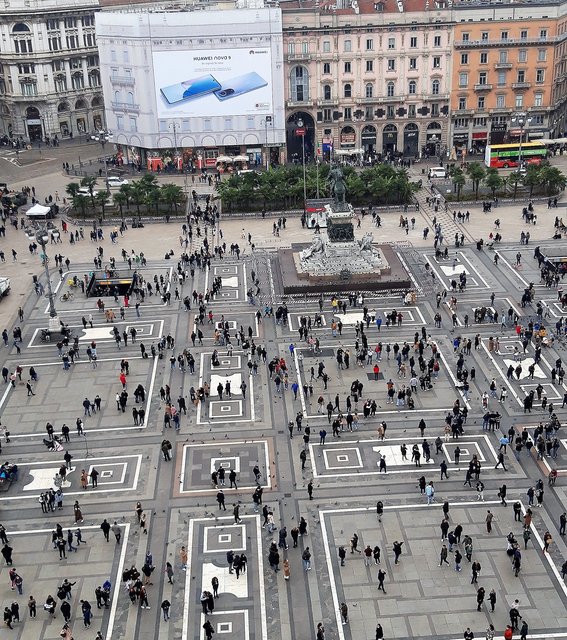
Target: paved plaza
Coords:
[[236, 446]]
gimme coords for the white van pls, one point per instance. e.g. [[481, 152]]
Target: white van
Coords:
[[437, 172]]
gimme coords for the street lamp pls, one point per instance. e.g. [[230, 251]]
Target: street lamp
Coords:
[[300, 131], [521, 120], [174, 126], [42, 237], [103, 136], [267, 121]]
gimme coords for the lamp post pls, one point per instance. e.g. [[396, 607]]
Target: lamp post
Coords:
[[103, 136], [42, 237], [174, 126], [433, 141], [300, 131], [521, 120], [267, 121]]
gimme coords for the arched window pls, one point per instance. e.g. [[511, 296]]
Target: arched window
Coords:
[[390, 89], [22, 38], [80, 104], [435, 87], [299, 84], [326, 92], [61, 82], [347, 90], [62, 107], [130, 98], [412, 87], [369, 90], [117, 96], [78, 80], [94, 79]]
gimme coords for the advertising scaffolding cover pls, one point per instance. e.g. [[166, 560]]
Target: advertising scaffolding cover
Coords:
[[213, 82]]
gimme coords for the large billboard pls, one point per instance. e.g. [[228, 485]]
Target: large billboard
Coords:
[[213, 82]]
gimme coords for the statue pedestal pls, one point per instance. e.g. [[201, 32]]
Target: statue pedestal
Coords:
[[337, 261]]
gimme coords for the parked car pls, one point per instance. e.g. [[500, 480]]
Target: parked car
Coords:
[[116, 181], [4, 287], [437, 172], [83, 191]]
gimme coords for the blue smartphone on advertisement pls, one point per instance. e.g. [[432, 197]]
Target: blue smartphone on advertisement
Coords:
[[190, 89], [240, 84]]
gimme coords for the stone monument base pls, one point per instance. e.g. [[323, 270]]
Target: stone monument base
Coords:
[[391, 274]]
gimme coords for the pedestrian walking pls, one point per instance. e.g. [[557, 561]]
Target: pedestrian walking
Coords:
[[306, 557], [344, 612], [488, 521], [381, 577]]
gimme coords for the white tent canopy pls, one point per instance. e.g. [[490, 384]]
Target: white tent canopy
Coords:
[[38, 210], [241, 159], [224, 159], [349, 152]]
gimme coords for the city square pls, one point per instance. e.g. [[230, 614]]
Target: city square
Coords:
[[247, 431]]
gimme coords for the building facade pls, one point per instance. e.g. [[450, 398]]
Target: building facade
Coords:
[[356, 77], [370, 79], [187, 88], [49, 73], [503, 76]]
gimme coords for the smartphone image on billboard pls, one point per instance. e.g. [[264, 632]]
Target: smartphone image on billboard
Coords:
[[189, 89], [240, 84]]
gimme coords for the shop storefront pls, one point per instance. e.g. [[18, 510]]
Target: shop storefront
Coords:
[[461, 141], [254, 155], [368, 140], [197, 159], [348, 138], [327, 148], [411, 140], [479, 141], [538, 134], [390, 139], [498, 132]]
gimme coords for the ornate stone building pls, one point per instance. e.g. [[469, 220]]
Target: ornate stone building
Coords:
[[370, 77], [49, 76]]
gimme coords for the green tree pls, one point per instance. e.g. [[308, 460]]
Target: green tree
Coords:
[[514, 179], [268, 187], [72, 189], [138, 195], [493, 180], [532, 177], [101, 199], [89, 182], [172, 195], [120, 200], [476, 173], [356, 188], [459, 180], [153, 198], [149, 181], [553, 179], [81, 203], [126, 191], [228, 194]]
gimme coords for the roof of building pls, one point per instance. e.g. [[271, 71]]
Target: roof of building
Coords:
[[354, 7]]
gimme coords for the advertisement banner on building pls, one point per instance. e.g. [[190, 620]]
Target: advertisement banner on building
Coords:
[[213, 82]]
